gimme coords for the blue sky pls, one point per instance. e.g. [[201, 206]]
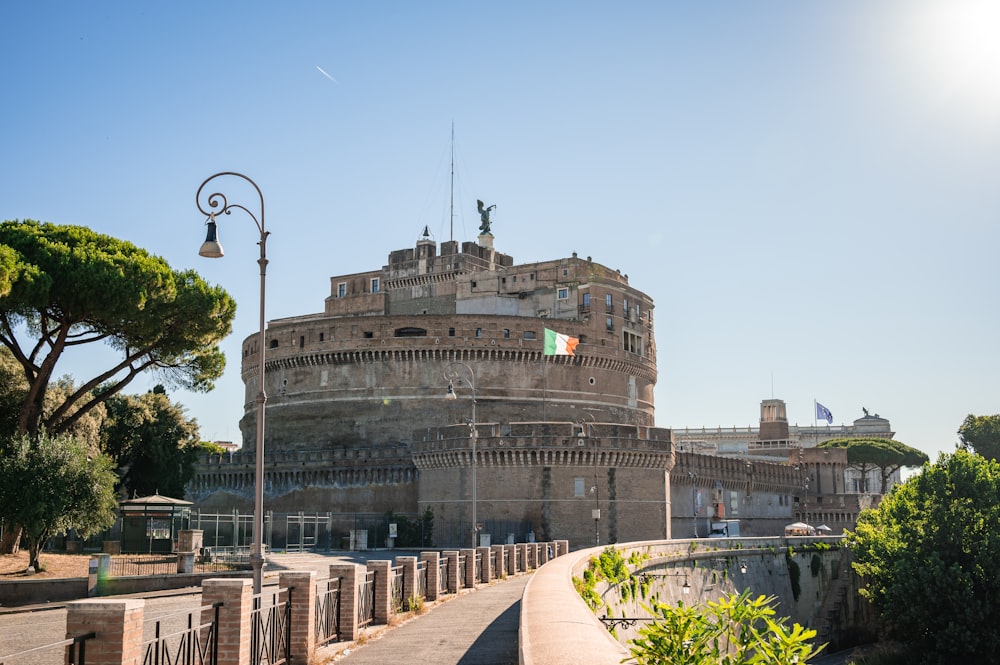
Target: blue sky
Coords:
[[809, 191]]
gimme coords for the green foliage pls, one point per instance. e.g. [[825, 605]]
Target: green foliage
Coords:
[[72, 287], [54, 484], [417, 532], [612, 566], [154, 445], [981, 434], [587, 588], [736, 630], [929, 553], [886, 455]]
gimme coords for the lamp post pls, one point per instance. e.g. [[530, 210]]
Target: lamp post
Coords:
[[596, 512], [694, 500], [211, 248], [452, 374]]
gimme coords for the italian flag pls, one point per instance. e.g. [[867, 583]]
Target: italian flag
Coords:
[[557, 344]]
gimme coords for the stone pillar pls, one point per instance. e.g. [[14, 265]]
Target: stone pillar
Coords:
[[190, 540], [454, 575], [383, 590], [484, 554], [185, 562], [501, 570], [562, 547], [236, 596], [351, 575], [522, 558], [118, 625], [511, 552], [469, 574], [432, 560], [301, 586], [409, 564]]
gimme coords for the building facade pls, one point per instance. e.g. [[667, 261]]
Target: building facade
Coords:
[[358, 415]]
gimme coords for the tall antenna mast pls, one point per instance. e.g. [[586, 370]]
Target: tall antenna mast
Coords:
[[451, 204]]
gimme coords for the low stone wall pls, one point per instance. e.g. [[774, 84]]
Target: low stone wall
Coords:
[[558, 628], [16, 593]]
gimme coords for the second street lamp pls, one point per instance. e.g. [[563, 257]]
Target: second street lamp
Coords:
[[212, 248], [452, 374]]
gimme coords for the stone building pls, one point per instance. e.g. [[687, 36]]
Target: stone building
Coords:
[[423, 385], [358, 417]]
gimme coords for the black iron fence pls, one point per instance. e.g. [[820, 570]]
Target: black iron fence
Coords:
[[270, 628], [207, 561], [195, 644], [328, 611], [397, 578], [366, 600]]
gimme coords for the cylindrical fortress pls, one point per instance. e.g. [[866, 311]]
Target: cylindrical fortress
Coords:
[[358, 409]]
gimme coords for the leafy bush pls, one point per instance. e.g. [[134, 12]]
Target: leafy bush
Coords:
[[736, 630]]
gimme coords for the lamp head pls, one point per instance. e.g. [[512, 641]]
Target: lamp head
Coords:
[[211, 248], [451, 392], [686, 589]]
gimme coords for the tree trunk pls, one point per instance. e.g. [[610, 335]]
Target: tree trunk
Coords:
[[10, 541]]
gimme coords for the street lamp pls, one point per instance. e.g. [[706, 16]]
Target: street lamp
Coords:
[[694, 500], [596, 512], [452, 375], [211, 248]]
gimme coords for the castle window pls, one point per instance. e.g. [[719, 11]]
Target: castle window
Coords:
[[369, 334], [578, 486], [506, 333], [473, 284], [586, 299], [562, 293], [565, 272], [625, 308], [375, 285], [341, 289], [479, 332], [503, 280], [582, 338], [302, 341], [529, 334], [321, 337], [637, 314], [631, 342], [273, 344], [532, 276], [410, 332], [514, 279], [609, 301], [610, 323], [451, 332]]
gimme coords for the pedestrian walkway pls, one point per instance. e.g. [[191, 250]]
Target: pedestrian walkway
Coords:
[[476, 628]]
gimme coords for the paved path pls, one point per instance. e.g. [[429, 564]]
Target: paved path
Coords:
[[477, 628]]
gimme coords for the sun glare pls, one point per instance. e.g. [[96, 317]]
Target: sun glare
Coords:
[[953, 48]]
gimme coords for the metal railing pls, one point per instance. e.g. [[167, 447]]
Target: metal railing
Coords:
[[477, 574], [397, 578], [142, 564], [270, 629], [76, 651], [366, 600], [130, 565], [493, 562], [420, 583], [443, 564], [328, 611], [196, 644]]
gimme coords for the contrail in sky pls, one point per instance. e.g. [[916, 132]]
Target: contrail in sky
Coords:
[[323, 72]]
